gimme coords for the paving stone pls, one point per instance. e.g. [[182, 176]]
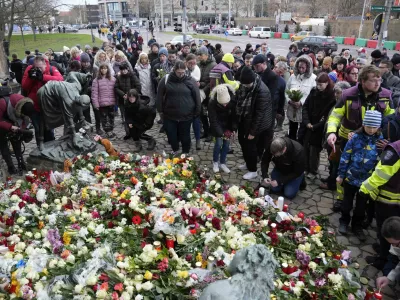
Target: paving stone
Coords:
[[342, 240], [371, 272], [324, 210], [354, 240], [355, 251], [368, 248]]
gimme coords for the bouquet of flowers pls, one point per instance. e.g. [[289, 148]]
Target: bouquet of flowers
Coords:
[[294, 95], [152, 227], [161, 74]]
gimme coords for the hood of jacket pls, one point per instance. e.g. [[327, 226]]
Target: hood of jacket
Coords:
[[307, 60]]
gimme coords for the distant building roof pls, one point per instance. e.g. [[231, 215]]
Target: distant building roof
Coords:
[[313, 22]]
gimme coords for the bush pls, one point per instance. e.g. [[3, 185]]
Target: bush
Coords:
[[328, 30], [286, 29], [298, 28]]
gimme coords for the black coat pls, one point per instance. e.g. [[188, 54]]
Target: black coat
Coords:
[[139, 115], [291, 164], [261, 116], [221, 117], [270, 78], [126, 82], [316, 110], [16, 66], [179, 98]]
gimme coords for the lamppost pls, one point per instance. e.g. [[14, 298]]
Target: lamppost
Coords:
[[91, 27]]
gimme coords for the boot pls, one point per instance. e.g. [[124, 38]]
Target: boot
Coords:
[[198, 145], [10, 166], [151, 144], [137, 146]]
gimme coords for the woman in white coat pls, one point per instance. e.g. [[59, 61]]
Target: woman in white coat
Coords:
[[143, 70]]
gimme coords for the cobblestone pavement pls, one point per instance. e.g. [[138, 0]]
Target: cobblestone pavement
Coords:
[[312, 201]]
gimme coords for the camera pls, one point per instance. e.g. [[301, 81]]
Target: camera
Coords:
[[36, 73], [24, 135]]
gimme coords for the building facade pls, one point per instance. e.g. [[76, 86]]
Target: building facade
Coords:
[[113, 10]]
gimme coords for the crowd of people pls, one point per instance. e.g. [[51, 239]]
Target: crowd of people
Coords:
[[346, 105]]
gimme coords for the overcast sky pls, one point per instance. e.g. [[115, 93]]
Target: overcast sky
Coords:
[[75, 2]]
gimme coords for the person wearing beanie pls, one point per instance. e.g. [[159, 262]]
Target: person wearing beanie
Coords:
[[396, 64], [326, 65], [160, 66], [66, 57], [193, 48], [222, 114], [184, 51], [376, 57], [333, 76], [12, 121], [154, 49], [360, 62], [248, 50], [340, 67], [254, 113], [357, 163]]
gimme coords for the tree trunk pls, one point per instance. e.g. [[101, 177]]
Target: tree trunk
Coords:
[[10, 30], [33, 30], [22, 35]]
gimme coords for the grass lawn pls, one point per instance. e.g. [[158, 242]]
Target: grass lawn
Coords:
[[201, 36], [56, 41]]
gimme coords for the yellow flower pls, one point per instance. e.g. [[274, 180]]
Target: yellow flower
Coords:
[[317, 229], [175, 160], [168, 161], [72, 219], [148, 275], [66, 238], [182, 274], [329, 253], [171, 219], [204, 264], [199, 257], [44, 271]]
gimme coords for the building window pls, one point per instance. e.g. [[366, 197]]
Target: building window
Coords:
[[124, 6], [114, 6]]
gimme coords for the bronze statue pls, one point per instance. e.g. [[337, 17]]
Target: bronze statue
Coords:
[[252, 270]]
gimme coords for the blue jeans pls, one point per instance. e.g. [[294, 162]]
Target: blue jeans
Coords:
[[196, 128], [221, 149], [290, 189]]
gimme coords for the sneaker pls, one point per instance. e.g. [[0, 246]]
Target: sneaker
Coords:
[[278, 129], [242, 167], [343, 228], [208, 139], [359, 232], [337, 206], [376, 261], [224, 168], [99, 131], [215, 167], [250, 175]]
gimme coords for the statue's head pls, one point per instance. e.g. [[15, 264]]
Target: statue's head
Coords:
[[83, 100], [253, 271]]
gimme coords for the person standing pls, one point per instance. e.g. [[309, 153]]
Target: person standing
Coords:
[[255, 118], [16, 67], [315, 112], [143, 70], [302, 79], [103, 97], [351, 75], [222, 113], [281, 68], [389, 81], [178, 99]]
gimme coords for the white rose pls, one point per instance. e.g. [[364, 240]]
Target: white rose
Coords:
[[138, 287], [45, 206], [37, 235], [296, 290], [147, 286], [99, 229], [41, 195], [61, 263], [78, 289], [180, 238], [312, 265], [32, 275], [64, 200], [139, 297], [18, 257], [29, 250], [119, 230], [139, 277], [29, 234], [38, 286], [57, 201], [71, 259], [129, 289], [125, 296], [92, 280], [20, 246], [101, 294], [53, 263]]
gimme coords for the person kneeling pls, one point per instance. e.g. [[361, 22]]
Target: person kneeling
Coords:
[[139, 118], [289, 161]]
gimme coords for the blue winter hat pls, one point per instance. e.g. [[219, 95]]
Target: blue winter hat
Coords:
[[372, 118], [163, 50], [333, 76]]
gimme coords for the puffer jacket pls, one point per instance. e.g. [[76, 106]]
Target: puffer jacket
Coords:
[[146, 83], [141, 116], [179, 98], [221, 117], [260, 117], [103, 92], [359, 158], [205, 68], [124, 83], [303, 82]]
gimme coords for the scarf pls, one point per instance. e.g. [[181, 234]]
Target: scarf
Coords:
[[245, 96]]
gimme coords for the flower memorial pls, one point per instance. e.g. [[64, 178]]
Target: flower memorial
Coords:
[[140, 227]]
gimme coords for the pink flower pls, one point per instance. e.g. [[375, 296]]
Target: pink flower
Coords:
[[119, 287], [346, 254], [351, 297]]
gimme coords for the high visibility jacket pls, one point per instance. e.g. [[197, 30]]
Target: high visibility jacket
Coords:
[[349, 112], [384, 183], [221, 74]]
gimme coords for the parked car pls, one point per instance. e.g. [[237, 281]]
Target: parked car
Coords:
[[69, 29], [94, 26], [260, 32], [318, 43], [203, 29], [218, 30], [235, 31], [179, 39], [301, 35]]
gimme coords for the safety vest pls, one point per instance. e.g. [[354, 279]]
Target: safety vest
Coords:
[[218, 76]]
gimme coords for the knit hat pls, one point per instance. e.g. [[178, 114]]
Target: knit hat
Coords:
[[202, 50], [361, 60], [124, 66], [87, 47], [327, 61], [372, 118], [78, 46], [247, 76], [396, 59], [65, 48], [342, 61], [259, 59], [163, 50], [362, 50], [258, 46], [376, 53], [155, 44], [228, 58], [85, 57], [222, 92], [333, 76]]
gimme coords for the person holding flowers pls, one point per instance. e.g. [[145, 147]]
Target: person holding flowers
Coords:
[[302, 80], [221, 112], [357, 163]]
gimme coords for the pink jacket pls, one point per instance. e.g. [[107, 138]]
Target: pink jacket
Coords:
[[103, 92]]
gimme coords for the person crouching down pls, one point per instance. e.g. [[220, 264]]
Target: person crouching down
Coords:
[[289, 160], [139, 118], [222, 113]]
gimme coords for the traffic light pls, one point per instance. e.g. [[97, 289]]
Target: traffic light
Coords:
[[178, 24]]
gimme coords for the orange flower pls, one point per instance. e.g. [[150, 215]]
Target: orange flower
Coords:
[[65, 254], [134, 180], [104, 286], [96, 169], [41, 224]]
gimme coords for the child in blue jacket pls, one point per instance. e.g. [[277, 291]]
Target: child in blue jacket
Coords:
[[357, 163]]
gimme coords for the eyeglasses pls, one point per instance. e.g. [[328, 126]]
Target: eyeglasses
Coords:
[[375, 80]]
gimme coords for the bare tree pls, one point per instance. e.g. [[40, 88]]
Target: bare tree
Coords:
[[196, 8], [314, 8], [214, 4], [236, 6], [350, 7], [249, 4], [6, 15]]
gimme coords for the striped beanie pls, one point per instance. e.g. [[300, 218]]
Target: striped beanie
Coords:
[[372, 118]]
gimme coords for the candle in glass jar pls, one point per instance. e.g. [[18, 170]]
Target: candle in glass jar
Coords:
[[210, 264], [170, 243], [285, 207], [157, 245]]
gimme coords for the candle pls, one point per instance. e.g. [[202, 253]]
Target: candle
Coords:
[[34, 171], [285, 268], [281, 201], [378, 296], [261, 192], [170, 243], [285, 207], [210, 264], [273, 227], [157, 245], [198, 264]]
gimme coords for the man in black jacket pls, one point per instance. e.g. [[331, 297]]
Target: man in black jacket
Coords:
[[289, 161], [270, 79], [255, 119], [16, 67], [139, 118]]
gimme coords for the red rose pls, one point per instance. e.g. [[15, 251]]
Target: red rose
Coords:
[[136, 220], [110, 224], [216, 223], [104, 277], [145, 233], [115, 213], [21, 204]]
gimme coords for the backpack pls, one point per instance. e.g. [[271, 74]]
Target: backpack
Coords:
[[393, 127]]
